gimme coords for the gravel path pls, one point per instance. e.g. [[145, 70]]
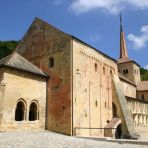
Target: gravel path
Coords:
[[47, 139]]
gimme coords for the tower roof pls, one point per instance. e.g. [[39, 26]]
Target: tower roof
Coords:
[[123, 48]]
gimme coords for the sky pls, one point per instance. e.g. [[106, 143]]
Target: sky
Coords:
[[96, 22]]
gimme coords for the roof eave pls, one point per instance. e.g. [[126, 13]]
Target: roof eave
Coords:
[[73, 37]]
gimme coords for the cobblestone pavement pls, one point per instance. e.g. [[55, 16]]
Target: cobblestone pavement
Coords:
[[48, 139]]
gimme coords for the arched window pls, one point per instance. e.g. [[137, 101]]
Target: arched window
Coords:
[[105, 104], [20, 111], [126, 71], [111, 72], [51, 62], [33, 112], [114, 110], [96, 103], [96, 67], [103, 70]]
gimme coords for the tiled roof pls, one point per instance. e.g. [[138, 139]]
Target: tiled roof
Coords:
[[15, 60], [113, 123], [143, 85]]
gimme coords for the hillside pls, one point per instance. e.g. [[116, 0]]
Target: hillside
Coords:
[[144, 74], [7, 47]]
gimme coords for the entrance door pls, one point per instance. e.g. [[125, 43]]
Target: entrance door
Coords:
[[118, 133]]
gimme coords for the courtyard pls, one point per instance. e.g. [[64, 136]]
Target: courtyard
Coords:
[[46, 139]]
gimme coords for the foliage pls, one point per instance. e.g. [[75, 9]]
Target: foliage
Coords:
[[144, 74], [7, 47]]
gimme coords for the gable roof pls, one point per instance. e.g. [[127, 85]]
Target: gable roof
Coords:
[[38, 20], [142, 86], [16, 61]]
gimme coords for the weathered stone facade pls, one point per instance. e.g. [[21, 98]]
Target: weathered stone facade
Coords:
[[22, 98], [92, 90], [41, 43], [86, 96]]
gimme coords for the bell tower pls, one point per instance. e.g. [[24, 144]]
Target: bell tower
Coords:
[[127, 67]]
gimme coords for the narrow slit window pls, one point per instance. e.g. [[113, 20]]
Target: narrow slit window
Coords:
[[96, 67], [51, 62]]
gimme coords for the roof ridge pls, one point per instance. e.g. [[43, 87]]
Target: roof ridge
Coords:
[[72, 36], [15, 60]]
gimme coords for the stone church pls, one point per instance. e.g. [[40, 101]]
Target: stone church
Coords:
[[57, 82]]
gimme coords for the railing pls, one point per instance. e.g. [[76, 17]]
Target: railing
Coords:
[[102, 132]]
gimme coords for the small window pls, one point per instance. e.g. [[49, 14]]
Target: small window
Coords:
[[51, 62], [63, 107], [111, 72], [126, 71], [103, 70], [20, 111], [105, 104], [96, 67], [33, 112], [96, 103], [85, 113]]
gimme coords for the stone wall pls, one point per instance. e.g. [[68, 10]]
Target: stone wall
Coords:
[[92, 90], [139, 110], [18, 85], [128, 129], [133, 71], [142, 95], [128, 89], [42, 42]]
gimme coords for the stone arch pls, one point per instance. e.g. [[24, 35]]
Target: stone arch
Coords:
[[118, 132], [20, 111], [34, 111], [114, 110]]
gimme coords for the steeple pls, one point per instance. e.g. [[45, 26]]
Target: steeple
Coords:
[[123, 49]]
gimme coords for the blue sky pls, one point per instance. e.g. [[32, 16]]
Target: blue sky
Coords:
[[94, 21]]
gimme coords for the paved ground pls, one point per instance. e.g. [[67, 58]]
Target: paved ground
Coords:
[[144, 133], [47, 139]]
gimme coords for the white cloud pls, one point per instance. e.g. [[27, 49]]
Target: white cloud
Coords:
[[139, 41], [144, 29], [111, 6], [146, 67], [138, 3]]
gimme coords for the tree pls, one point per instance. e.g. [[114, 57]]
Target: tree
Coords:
[[144, 74], [7, 47]]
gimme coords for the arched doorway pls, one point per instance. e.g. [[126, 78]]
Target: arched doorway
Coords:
[[114, 110], [118, 133], [33, 112], [20, 111]]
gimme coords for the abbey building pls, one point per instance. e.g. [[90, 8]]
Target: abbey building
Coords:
[[57, 82]]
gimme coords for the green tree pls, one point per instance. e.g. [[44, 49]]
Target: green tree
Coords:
[[7, 47], [144, 74]]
